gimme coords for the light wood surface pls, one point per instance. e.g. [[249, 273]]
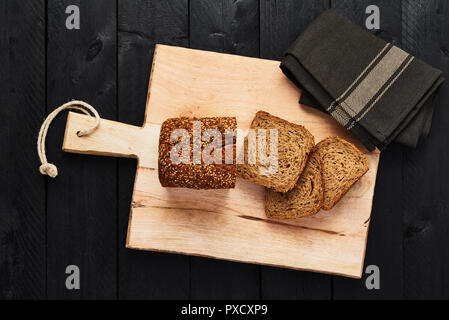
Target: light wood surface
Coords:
[[228, 224]]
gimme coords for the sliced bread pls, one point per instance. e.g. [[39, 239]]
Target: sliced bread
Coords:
[[343, 165], [305, 199], [294, 145]]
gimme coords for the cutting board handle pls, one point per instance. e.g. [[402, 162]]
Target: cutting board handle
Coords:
[[111, 138]]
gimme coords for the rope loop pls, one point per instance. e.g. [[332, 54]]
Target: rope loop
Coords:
[[50, 169]]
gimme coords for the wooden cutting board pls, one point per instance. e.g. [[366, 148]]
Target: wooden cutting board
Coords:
[[228, 224]]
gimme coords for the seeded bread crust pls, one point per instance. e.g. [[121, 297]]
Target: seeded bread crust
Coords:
[[305, 199], [295, 144], [190, 175], [343, 165]]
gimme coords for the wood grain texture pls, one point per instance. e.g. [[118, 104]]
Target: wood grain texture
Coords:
[[384, 248], [112, 139], [411, 254], [225, 26], [175, 220], [425, 184], [231, 27], [22, 190], [82, 202], [142, 24], [281, 22]]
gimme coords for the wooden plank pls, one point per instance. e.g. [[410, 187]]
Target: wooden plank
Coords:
[[425, 184], [178, 84], [22, 189], [225, 26], [202, 232], [231, 27], [227, 223], [142, 24], [82, 201], [384, 248], [281, 22]]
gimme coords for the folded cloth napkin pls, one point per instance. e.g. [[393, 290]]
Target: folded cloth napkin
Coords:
[[371, 87]]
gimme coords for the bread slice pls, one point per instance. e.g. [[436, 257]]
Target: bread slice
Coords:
[[343, 165], [294, 145], [305, 199]]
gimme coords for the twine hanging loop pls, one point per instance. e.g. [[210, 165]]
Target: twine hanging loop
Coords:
[[47, 168]]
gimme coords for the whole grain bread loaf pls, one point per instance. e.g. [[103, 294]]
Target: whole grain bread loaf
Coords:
[[189, 174], [294, 145], [305, 199], [343, 165]]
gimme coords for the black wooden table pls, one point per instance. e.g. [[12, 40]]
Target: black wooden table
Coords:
[[80, 218]]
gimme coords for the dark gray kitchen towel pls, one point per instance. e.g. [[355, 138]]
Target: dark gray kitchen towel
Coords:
[[371, 87]]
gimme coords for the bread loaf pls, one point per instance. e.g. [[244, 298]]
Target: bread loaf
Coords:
[[201, 175], [294, 145]]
